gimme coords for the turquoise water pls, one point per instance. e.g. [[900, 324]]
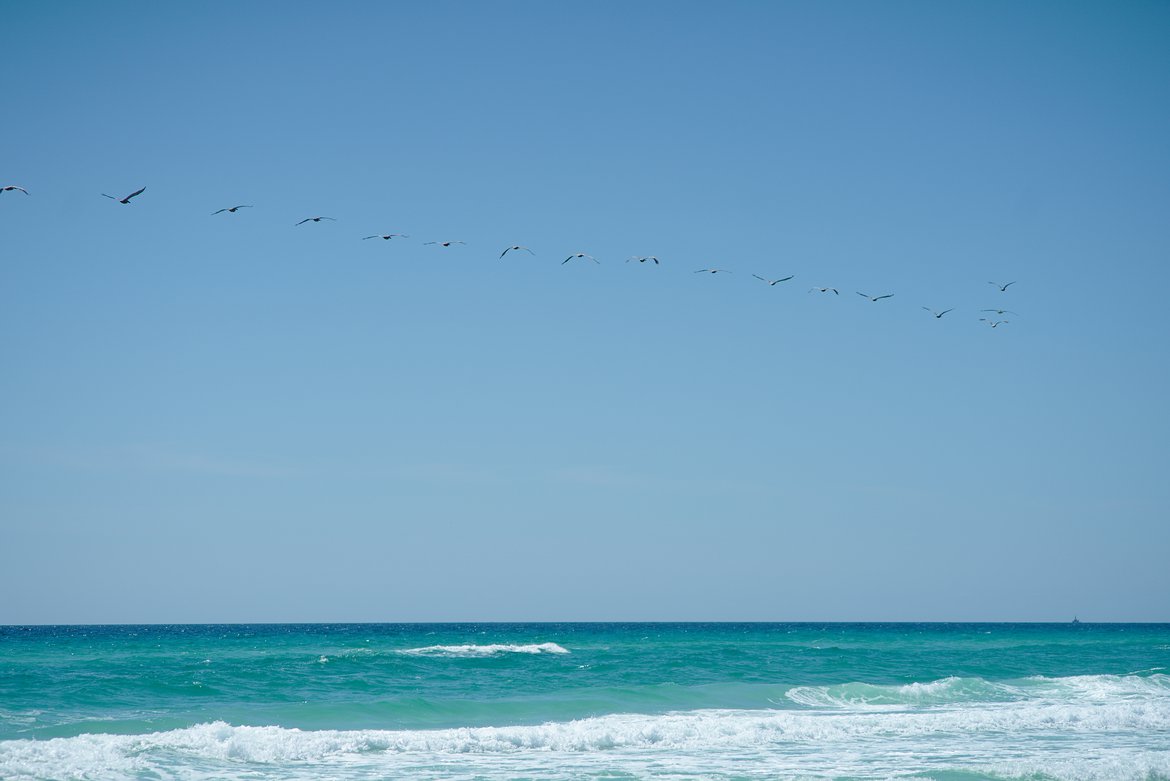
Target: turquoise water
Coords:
[[485, 701]]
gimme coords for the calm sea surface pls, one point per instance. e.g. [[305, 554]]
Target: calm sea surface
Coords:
[[612, 701]]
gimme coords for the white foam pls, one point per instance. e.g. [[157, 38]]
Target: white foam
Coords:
[[1119, 740], [484, 650], [1081, 728], [952, 690]]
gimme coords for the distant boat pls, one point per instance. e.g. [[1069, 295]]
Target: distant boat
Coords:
[[1076, 620]]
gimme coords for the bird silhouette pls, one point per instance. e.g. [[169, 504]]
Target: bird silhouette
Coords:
[[824, 290], [712, 271], [316, 219], [580, 255], [444, 243], [386, 236], [642, 258], [128, 197], [9, 187], [875, 298], [1002, 288], [1001, 311], [937, 315], [773, 282], [232, 210], [516, 247], [993, 323]]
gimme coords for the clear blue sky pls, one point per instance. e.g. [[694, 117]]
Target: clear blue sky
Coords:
[[230, 418]]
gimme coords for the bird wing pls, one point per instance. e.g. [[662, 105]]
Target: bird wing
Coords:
[[791, 276], [135, 193], [302, 222], [505, 252], [370, 237], [112, 198], [218, 211], [864, 295], [566, 260], [887, 295], [757, 276], [530, 252], [1009, 284], [940, 314], [834, 291]]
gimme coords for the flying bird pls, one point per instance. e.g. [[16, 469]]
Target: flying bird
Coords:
[[128, 197], [580, 255], [876, 298], [315, 219], [444, 243], [993, 323], [516, 247], [773, 282], [232, 210], [1001, 311], [642, 258], [387, 236], [937, 315], [712, 271], [824, 290], [8, 187], [1002, 288]]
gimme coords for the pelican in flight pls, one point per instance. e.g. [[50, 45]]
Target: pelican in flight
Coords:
[[993, 323], [937, 315], [1001, 311], [315, 219], [232, 210], [773, 282], [642, 258], [712, 271], [1002, 288], [516, 248], [444, 243], [386, 236], [128, 197], [9, 187], [875, 298], [580, 255], [824, 290]]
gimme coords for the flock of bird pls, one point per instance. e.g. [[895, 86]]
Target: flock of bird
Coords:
[[937, 314]]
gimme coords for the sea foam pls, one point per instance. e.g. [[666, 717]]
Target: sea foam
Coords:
[[1117, 739], [484, 650]]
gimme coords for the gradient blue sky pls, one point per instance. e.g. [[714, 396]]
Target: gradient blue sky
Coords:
[[231, 419]]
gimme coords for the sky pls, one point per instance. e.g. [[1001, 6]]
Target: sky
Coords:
[[233, 418]]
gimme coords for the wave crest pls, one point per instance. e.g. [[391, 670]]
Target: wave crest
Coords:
[[495, 649], [957, 691]]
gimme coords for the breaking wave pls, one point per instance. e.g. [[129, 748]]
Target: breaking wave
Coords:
[[948, 691], [468, 651], [1080, 728], [982, 737]]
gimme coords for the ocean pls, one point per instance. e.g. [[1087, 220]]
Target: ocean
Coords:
[[586, 701]]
